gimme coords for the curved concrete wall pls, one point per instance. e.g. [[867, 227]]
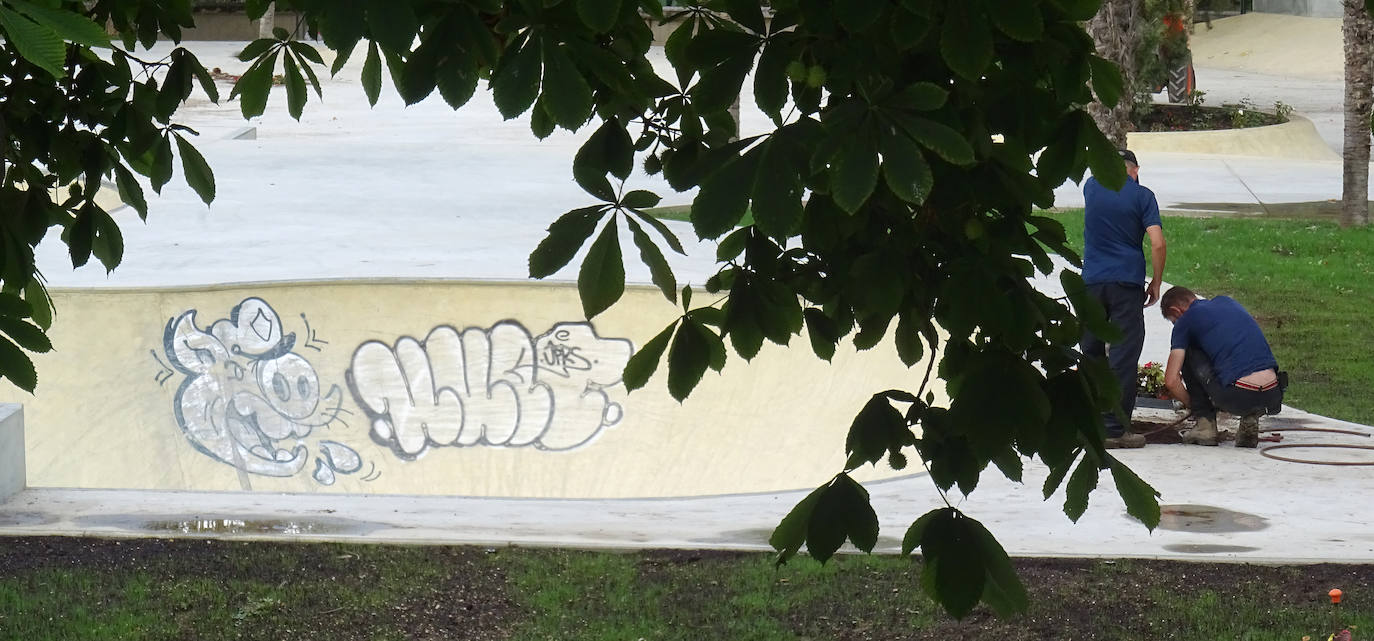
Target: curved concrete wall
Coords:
[[1296, 139], [453, 388]]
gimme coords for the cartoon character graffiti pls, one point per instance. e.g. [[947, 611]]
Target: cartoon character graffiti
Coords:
[[494, 387], [248, 399]]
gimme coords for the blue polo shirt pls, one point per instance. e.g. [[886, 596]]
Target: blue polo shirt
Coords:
[[1229, 336], [1113, 231]]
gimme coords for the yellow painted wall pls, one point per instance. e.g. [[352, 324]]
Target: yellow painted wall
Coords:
[[103, 415]]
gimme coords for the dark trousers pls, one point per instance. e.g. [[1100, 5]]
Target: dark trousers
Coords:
[[1207, 394], [1125, 305]]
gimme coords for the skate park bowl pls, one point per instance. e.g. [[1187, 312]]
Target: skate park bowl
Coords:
[[481, 389]]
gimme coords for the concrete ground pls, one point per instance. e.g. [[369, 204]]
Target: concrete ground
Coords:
[[1220, 503], [1266, 57], [1262, 58], [461, 173], [424, 193]]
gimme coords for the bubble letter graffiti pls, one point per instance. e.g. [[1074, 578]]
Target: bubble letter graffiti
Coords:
[[494, 387]]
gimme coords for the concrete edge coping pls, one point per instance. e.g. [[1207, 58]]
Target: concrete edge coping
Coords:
[[1296, 139], [568, 284]]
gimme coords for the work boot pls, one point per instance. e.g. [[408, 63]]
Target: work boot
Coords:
[[1204, 433], [1129, 440], [1247, 435]]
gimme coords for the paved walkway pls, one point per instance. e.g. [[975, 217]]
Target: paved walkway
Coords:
[[1186, 182], [1183, 181], [421, 192], [1220, 503]]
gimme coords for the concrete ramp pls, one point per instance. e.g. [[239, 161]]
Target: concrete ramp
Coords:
[[1271, 44], [420, 388]]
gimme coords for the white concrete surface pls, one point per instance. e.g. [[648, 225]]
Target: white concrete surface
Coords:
[[1308, 81], [12, 469], [415, 192], [1267, 58], [1320, 98], [426, 192], [444, 194], [1287, 513], [1276, 45], [1181, 180]]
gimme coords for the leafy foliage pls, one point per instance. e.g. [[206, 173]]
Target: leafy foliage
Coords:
[[893, 197], [882, 205], [964, 563], [80, 110]]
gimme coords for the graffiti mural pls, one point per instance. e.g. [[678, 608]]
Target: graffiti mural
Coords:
[[248, 400], [498, 386]]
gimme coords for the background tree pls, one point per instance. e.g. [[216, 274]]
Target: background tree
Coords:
[[894, 195], [1117, 31], [1357, 29]]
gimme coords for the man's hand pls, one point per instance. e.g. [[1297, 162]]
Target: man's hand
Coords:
[[1152, 293], [1157, 255], [1173, 377]]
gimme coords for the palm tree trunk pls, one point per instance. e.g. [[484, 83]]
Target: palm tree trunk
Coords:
[[1358, 31], [1116, 32]]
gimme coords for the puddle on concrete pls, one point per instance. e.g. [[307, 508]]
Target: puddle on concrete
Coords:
[[21, 519], [232, 525], [1207, 548], [1206, 518]]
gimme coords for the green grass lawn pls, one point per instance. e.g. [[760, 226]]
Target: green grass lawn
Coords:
[[1308, 282], [76, 589]]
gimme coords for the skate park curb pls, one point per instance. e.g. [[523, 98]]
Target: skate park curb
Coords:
[[1296, 139]]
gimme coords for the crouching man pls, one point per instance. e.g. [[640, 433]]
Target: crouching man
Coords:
[[1219, 360]]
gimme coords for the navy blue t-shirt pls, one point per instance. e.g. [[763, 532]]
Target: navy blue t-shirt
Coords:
[[1228, 335], [1113, 230]]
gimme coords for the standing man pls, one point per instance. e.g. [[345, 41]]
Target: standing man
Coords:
[[1114, 227], [1219, 359]]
